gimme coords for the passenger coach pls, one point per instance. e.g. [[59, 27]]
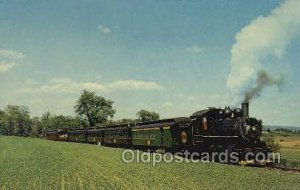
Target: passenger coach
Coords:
[[164, 134]]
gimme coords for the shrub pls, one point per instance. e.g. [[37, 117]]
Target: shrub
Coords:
[[271, 143]]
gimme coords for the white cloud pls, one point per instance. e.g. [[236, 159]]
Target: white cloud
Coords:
[[195, 49], [265, 38], [66, 85], [133, 85], [11, 54], [8, 59], [6, 66], [167, 104], [104, 29], [60, 85]]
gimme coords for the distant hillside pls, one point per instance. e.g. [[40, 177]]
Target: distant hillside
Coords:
[[273, 127]]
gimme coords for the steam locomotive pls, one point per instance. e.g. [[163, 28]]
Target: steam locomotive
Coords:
[[213, 129]]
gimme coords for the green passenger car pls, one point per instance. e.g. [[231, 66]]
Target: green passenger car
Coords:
[[78, 135], [119, 135], [95, 136], [164, 134]]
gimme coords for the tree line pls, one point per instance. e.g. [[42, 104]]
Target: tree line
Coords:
[[92, 111]]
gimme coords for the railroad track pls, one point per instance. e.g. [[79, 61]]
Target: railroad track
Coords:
[[276, 166], [283, 168]]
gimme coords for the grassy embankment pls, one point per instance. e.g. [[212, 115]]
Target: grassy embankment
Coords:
[[27, 163]]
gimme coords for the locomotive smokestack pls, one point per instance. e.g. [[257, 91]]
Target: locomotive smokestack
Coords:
[[245, 109]]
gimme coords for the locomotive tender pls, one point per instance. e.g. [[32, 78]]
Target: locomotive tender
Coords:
[[213, 129]]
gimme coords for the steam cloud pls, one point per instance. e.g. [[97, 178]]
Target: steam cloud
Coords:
[[264, 38]]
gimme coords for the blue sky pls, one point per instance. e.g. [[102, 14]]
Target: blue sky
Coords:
[[172, 57]]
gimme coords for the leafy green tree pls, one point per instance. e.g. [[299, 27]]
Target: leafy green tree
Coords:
[[3, 130], [65, 122], [36, 127], [59, 122], [144, 115], [126, 121], [120, 121], [17, 120], [95, 109], [45, 122], [52, 122], [75, 122]]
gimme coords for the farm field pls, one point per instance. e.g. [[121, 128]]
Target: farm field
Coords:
[[27, 163], [290, 148], [291, 141]]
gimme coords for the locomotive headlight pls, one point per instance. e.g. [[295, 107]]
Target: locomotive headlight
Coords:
[[248, 128], [253, 128]]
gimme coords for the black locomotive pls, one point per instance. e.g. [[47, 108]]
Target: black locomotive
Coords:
[[228, 129]]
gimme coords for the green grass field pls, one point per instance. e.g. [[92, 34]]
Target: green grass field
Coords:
[[27, 163]]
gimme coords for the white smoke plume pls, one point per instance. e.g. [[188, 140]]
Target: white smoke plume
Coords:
[[264, 38]]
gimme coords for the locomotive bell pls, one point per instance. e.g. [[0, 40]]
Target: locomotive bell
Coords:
[[245, 109]]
